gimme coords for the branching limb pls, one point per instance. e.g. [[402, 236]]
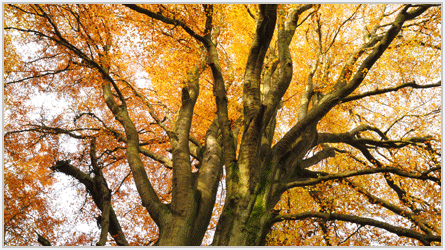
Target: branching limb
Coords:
[[251, 14], [318, 157], [340, 28], [297, 171], [412, 84], [165, 161], [349, 85], [353, 139], [208, 8], [426, 239], [343, 175], [393, 143], [406, 198], [182, 198], [423, 225], [148, 195], [166, 20], [150, 108], [305, 99], [253, 110], [254, 66], [346, 85], [122, 182], [434, 112], [286, 32], [68, 169], [325, 207], [101, 66], [104, 223], [208, 177], [115, 229], [43, 74], [347, 238], [224, 124], [213, 62], [100, 187], [54, 130]]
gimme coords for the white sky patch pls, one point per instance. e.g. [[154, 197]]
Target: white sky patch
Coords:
[[142, 80], [68, 144], [47, 102]]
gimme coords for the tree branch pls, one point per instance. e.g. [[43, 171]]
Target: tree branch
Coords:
[[54, 130], [359, 172], [148, 195], [100, 188], [115, 229], [165, 161], [167, 21], [353, 139], [208, 178], [150, 108], [286, 32], [412, 84], [42, 240], [426, 239], [423, 225], [254, 123], [182, 198], [51, 73], [319, 156], [344, 85]]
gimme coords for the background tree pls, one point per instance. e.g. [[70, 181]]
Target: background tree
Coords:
[[222, 124]]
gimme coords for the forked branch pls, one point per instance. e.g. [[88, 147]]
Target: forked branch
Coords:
[[91, 185]]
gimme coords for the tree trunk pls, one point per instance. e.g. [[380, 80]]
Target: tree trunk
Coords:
[[239, 227]]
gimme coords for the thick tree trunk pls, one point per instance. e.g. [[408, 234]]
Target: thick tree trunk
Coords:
[[239, 226], [179, 232]]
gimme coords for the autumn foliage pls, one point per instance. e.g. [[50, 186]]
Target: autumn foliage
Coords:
[[222, 124]]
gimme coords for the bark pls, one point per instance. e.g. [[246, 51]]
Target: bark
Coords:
[[42, 240], [98, 190]]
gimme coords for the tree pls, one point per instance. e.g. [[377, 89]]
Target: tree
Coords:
[[224, 124]]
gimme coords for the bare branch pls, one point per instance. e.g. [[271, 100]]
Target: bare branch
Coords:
[[95, 188], [150, 108], [412, 84], [319, 156], [54, 131], [250, 12], [426, 239], [388, 205], [360, 172], [353, 139], [51, 73], [167, 21]]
